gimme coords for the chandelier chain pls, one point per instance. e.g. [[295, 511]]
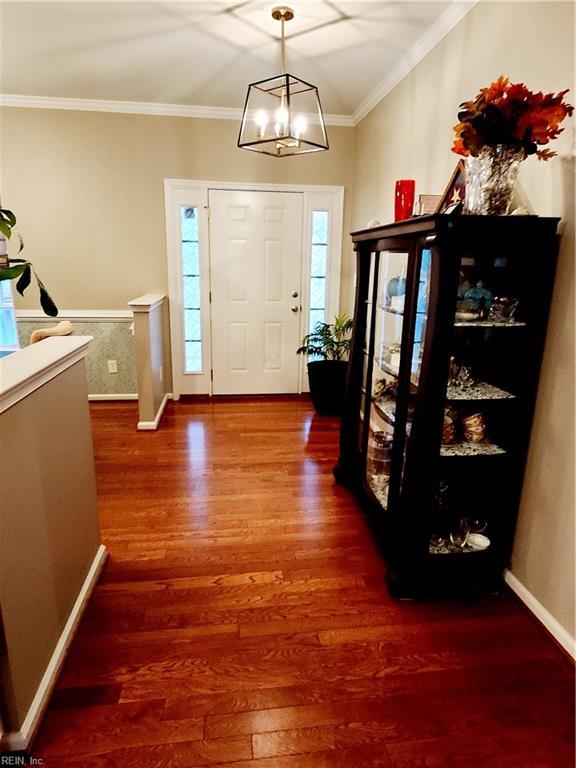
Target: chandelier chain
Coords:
[[282, 49]]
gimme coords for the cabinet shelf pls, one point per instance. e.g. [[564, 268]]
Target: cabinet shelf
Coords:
[[471, 449], [479, 391], [392, 371], [386, 408], [391, 311], [487, 324], [385, 368], [447, 548], [379, 491]]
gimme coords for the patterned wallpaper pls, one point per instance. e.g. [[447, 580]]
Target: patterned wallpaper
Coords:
[[113, 340]]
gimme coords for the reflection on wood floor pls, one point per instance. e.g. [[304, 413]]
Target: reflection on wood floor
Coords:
[[242, 619]]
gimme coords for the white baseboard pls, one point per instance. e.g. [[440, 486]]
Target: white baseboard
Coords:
[[148, 425], [20, 740], [558, 632], [115, 396]]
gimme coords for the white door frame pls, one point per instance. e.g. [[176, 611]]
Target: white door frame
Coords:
[[180, 192]]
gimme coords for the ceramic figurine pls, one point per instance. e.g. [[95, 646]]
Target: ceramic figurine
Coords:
[[395, 292], [474, 428], [481, 295], [502, 309], [449, 427], [466, 378], [464, 286]]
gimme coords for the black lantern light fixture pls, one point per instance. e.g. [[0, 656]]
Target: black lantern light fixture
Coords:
[[282, 115]]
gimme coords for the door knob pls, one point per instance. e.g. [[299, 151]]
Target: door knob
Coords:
[[294, 294], [294, 308]]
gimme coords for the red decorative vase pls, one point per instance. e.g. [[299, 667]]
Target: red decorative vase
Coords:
[[404, 199]]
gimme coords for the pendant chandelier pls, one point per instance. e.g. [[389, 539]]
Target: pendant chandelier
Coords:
[[282, 115]]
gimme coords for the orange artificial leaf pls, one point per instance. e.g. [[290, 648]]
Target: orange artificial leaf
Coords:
[[510, 114]]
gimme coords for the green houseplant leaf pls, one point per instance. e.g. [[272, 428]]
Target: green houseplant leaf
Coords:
[[24, 280], [5, 228], [8, 216], [21, 268], [45, 299], [328, 341], [9, 273]]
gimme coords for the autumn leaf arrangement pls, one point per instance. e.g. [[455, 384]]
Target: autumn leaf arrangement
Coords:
[[510, 114]]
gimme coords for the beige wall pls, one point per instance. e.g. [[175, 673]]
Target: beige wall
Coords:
[[409, 135], [88, 190]]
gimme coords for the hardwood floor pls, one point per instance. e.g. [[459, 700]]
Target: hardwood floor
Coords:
[[242, 620]]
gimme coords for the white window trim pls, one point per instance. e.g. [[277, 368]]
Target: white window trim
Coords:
[[182, 192]]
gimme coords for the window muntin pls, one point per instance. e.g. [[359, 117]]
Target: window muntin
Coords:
[[318, 268], [191, 289]]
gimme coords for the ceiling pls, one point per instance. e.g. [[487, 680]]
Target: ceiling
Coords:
[[204, 54]]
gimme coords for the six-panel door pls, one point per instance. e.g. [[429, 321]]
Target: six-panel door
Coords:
[[256, 261]]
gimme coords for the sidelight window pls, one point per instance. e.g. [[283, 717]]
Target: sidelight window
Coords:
[[318, 268], [191, 289]]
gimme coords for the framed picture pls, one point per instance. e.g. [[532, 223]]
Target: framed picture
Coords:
[[427, 204], [453, 196]]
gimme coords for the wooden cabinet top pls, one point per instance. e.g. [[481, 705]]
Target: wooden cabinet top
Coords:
[[458, 227]]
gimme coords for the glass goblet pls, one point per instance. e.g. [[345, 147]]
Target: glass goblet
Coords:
[[459, 535], [465, 377], [476, 524]]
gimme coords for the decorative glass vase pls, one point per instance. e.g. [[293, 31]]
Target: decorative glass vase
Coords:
[[490, 179]]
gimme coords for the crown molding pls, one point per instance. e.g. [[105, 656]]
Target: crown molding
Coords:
[[451, 16], [139, 108]]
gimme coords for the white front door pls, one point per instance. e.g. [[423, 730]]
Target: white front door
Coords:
[[255, 283]]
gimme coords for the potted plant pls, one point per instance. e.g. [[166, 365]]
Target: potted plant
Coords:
[[327, 375], [20, 269]]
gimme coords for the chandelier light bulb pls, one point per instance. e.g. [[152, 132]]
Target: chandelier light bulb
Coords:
[[299, 126], [281, 117], [261, 120]]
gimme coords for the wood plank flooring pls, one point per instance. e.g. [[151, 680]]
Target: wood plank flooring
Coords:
[[242, 619]]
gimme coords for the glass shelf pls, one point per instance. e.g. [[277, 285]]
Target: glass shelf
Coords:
[[471, 449], [385, 368], [386, 408], [392, 311], [378, 488], [487, 324], [479, 391], [447, 548]]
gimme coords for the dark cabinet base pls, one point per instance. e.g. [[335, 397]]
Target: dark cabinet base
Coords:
[[408, 577]]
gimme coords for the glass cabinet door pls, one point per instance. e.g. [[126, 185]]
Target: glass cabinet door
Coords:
[[366, 347], [489, 350], [421, 321], [388, 313]]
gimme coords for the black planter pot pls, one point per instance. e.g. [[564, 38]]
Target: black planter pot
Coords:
[[327, 379]]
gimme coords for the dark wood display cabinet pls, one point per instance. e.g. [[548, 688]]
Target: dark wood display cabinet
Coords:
[[450, 323]]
